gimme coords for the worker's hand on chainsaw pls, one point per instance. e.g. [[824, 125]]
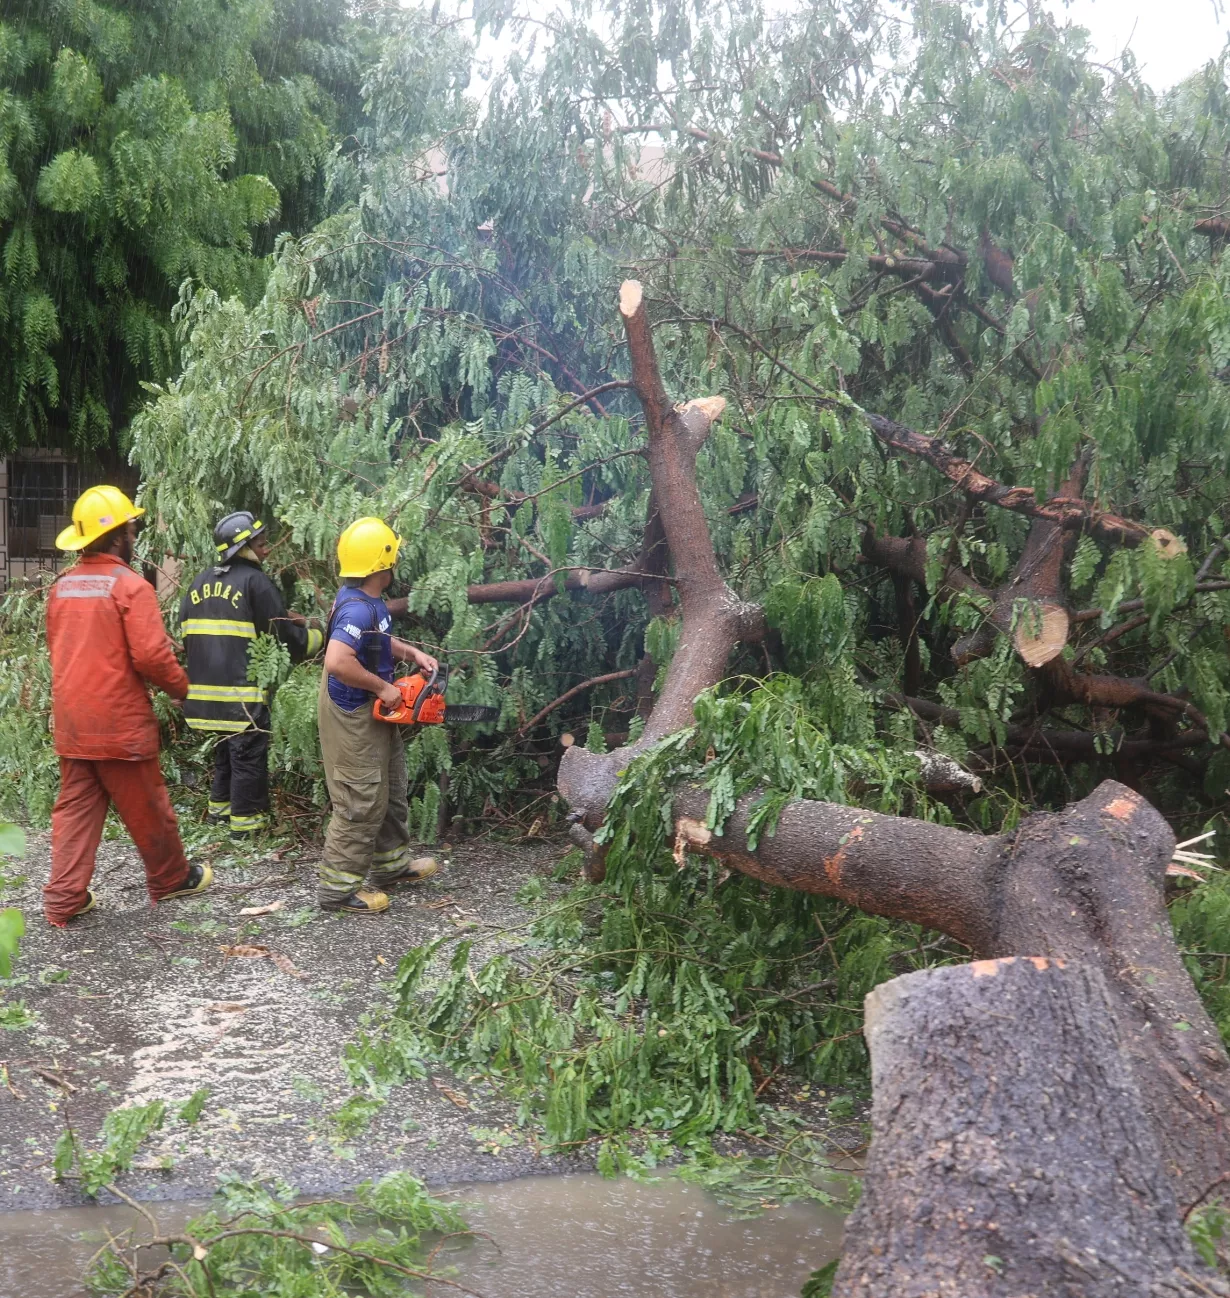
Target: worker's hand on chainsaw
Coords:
[[390, 695], [427, 662]]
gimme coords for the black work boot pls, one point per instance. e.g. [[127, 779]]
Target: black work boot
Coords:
[[199, 878]]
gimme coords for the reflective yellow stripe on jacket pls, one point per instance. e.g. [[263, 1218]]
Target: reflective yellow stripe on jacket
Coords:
[[218, 626], [226, 693]]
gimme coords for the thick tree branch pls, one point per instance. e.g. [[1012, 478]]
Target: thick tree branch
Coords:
[[1132, 605], [926, 270], [1085, 883], [1029, 606], [646, 377], [1039, 743], [596, 581], [907, 556], [543, 713], [714, 619], [1067, 513]]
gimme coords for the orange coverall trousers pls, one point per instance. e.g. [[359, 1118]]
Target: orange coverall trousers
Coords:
[[140, 796]]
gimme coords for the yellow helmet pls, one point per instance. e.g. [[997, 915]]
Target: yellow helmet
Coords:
[[368, 545], [98, 510]]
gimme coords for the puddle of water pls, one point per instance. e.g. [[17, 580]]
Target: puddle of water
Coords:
[[584, 1237], [558, 1236]]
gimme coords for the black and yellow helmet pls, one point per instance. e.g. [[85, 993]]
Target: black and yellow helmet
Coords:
[[234, 532]]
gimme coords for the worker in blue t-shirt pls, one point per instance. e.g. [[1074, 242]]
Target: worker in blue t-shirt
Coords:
[[367, 842]]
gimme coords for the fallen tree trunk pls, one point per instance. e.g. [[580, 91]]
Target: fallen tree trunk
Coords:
[[1084, 884], [1012, 1153]]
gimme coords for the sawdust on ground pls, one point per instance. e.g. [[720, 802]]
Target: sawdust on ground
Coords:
[[135, 1003]]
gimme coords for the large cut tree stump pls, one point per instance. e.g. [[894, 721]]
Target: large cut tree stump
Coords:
[[1012, 1154]]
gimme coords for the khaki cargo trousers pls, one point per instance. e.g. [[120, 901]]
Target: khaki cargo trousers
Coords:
[[367, 842]]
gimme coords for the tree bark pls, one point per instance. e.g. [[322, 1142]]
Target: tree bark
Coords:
[[1012, 1153]]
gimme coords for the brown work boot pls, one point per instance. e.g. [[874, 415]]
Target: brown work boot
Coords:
[[422, 867], [363, 901]]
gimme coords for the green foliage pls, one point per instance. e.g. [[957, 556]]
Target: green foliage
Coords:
[[1207, 1227], [12, 840], [139, 146], [192, 1108], [268, 661], [29, 769], [657, 1000], [355, 1115], [17, 1016], [12, 922], [261, 1240], [820, 1283], [799, 1169], [12, 929], [1201, 918], [123, 1132], [294, 749]]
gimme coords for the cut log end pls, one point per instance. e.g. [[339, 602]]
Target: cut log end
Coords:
[[1168, 545], [1042, 633], [630, 297], [711, 407]]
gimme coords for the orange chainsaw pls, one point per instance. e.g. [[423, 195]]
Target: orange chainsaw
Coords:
[[422, 703]]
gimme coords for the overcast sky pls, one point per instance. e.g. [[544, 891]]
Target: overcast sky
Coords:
[[1170, 38]]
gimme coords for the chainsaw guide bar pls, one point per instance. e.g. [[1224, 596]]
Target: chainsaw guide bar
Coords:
[[458, 714]]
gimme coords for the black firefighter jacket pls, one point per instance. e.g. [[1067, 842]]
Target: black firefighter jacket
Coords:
[[224, 611]]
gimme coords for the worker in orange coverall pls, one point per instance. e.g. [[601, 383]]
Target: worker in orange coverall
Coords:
[[106, 638]]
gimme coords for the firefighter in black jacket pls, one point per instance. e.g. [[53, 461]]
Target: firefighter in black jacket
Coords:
[[225, 609]]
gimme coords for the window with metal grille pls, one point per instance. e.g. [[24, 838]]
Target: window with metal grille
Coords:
[[40, 503]]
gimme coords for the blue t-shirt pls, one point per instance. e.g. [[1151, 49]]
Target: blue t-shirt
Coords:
[[362, 621]]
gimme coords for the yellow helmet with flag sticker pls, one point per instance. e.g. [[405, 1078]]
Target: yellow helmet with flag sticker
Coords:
[[98, 510], [368, 545]]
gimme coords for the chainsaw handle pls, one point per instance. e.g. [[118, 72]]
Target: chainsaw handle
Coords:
[[424, 693]]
